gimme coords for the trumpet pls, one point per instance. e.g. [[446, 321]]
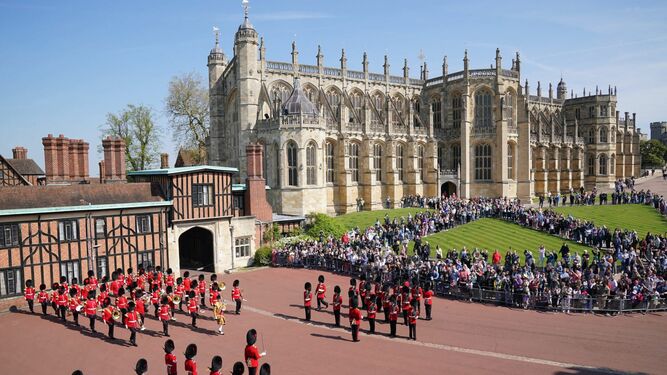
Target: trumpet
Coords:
[[176, 299]]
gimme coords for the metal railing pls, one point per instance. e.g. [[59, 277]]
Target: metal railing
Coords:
[[535, 300]]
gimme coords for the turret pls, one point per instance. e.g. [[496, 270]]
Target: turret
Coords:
[[561, 90], [217, 63], [517, 63]]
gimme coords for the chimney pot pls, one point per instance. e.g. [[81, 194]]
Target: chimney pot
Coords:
[[164, 160]]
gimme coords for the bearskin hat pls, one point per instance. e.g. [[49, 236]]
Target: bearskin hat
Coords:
[[191, 351], [216, 363], [169, 346], [251, 336]]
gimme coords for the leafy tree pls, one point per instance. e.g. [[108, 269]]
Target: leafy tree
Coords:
[[187, 107], [135, 125], [653, 153]]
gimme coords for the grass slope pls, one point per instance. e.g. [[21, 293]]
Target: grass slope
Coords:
[[365, 219], [494, 234], [628, 216]]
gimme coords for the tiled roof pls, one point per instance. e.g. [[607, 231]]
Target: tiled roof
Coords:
[[23, 197], [170, 171], [26, 167]]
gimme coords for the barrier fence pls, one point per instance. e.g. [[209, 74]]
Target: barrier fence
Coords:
[[474, 292]]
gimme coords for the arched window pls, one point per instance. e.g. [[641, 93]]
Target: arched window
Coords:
[[456, 157], [280, 92], [399, 110], [441, 157], [591, 165], [436, 108], [420, 161], [591, 136], [510, 161], [509, 110], [377, 161], [377, 113], [399, 162], [603, 135], [603, 165], [311, 93], [457, 108], [330, 163], [483, 162], [331, 112], [353, 160], [311, 159], [357, 100], [292, 159], [483, 109]]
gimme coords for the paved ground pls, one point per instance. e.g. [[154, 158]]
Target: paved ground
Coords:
[[463, 338], [654, 183]]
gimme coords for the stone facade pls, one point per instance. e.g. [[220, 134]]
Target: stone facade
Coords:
[[377, 137]]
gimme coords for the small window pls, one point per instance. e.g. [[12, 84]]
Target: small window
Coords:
[[242, 247], [145, 259], [239, 202], [292, 172], [9, 235], [330, 163], [510, 161], [70, 270], [420, 161], [100, 228], [399, 162], [68, 231], [10, 282], [377, 162], [143, 223], [102, 267], [311, 176], [353, 161], [202, 195], [457, 107], [591, 111]]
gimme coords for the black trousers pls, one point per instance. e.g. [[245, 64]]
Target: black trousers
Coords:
[[405, 317], [31, 305], [165, 327], [202, 297], [133, 336], [44, 305], [111, 326], [386, 316], [156, 309], [413, 331], [320, 302], [63, 311], [307, 309], [252, 370], [91, 318], [355, 332], [371, 324], [194, 318], [56, 309], [238, 306], [337, 317], [392, 328], [428, 311], [75, 314]]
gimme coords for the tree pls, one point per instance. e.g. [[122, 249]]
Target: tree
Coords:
[[136, 127], [653, 153], [188, 109]]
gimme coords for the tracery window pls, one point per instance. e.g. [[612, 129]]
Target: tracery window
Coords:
[[483, 109], [483, 162], [377, 161], [292, 169], [311, 175], [353, 160]]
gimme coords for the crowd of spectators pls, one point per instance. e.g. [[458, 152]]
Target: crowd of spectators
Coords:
[[623, 270]]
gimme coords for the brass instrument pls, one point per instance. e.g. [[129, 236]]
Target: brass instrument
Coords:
[[176, 299], [222, 285], [79, 308], [116, 314]]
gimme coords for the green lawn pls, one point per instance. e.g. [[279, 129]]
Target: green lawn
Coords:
[[365, 219], [494, 234], [637, 217]]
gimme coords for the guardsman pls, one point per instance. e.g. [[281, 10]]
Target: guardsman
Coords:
[[321, 290], [170, 358], [90, 309], [412, 319], [237, 296], [155, 298], [121, 301], [307, 297], [180, 291], [393, 315], [140, 306], [165, 315], [428, 300], [193, 308], [132, 322], [29, 294], [219, 313], [53, 298], [62, 302], [416, 293], [216, 366], [251, 354], [337, 303], [190, 353], [371, 311], [141, 367], [355, 320], [43, 298], [107, 316], [201, 289]]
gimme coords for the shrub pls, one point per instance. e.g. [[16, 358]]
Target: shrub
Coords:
[[262, 256], [321, 223]]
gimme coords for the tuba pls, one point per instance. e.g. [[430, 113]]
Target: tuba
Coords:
[[116, 315], [176, 299]]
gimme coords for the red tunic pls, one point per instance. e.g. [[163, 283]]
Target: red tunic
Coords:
[[307, 296], [416, 293], [201, 287], [252, 356], [236, 294], [107, 315], [186, 284], [428, 297], [121, 302], [29, 294], [337, 302], [101, 297], [393, 313], [115, 285], [92, 281], [192, 305], [321, 291], [355, 317], [213, 297], [141, 307], [215, 373], [73, 303], [191, 366], [412, 316], [170, 280], [42, 296], [170, 361], [155, 297], [62, 300], [131, 320], [91, 307], [372, 310], [164, 312], [180, 289]]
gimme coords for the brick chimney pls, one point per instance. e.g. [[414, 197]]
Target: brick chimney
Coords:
[[78, 159], [20, 153], [56, 158], [164, 160], [255, 194], [103, 171], [114, 159]]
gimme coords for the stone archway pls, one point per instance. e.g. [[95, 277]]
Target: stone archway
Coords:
[[195, 249], [448, 188]]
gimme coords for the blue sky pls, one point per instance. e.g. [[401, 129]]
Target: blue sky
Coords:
[[65, 64]]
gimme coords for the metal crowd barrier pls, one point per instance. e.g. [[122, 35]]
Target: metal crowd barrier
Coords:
[[474, 292]]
